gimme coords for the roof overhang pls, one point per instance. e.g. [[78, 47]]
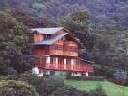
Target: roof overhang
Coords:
[[47, 30], [51, 31]]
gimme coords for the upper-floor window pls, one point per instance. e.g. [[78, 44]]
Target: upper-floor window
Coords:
[[58, 47], [73, 49], [38, 37], [47, 36]]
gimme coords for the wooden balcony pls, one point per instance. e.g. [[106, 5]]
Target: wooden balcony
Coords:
[[78, 66]]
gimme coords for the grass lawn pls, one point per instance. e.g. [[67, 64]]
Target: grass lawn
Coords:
[[110, 88]]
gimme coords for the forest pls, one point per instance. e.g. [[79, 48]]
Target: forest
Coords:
[[101, 26]]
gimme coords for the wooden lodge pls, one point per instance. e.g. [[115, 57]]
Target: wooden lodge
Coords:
[[57, 50]]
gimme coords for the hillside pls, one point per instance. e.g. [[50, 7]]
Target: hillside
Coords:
[[107, 27], [101, 27], [110, 88], [103, 13]]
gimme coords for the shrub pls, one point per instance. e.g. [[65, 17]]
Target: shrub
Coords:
[[54, 86], [98, 91], [95, 78], [44, 85], [16, 88], [68, 91]]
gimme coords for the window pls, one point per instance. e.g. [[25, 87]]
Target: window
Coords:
[[45, 50], [73, 61], [38, 37], [47, 36], [43, 59], [73, 49], [68, 61], [58, 47], [53, 60]]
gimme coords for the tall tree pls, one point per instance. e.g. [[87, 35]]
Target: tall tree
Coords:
[[30, 21], [14, 42], [77, 21]]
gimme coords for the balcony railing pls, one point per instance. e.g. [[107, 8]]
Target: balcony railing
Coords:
[[63, 50], [78, 66]]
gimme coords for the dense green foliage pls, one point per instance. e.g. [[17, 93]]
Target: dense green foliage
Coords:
[[16, 88], [103, 37], [78, 24], [110, 52], [28, 85], [54, 86], [30, 21], [77, 21], [15, 42], [44, 85], [105, 44]]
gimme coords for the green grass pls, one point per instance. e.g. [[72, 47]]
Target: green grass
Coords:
[[110, 88]]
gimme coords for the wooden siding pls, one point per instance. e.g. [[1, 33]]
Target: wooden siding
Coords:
[[64, 48], [41, 50], [55, 50], [38, 37], [61, 56], [70, 48]]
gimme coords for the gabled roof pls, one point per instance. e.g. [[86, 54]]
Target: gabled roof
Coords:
[[51, 41], [47, 30], [52, 31]]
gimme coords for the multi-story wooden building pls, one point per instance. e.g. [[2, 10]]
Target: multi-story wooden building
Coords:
[[57, 50]]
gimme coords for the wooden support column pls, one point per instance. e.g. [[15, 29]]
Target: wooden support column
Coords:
[[64, 63], [56, 62], [72, 64], [40, 61], [48, 61]]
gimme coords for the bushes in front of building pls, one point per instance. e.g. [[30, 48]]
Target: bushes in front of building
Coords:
[[54, 86], [95, 78], [23, 85], [16, 88], [68, 91], [43, 85]]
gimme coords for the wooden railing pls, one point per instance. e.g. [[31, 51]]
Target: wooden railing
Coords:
[[64, 50], [80, 66]]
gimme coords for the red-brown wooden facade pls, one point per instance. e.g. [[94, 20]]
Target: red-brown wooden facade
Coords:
[[58, 51]]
